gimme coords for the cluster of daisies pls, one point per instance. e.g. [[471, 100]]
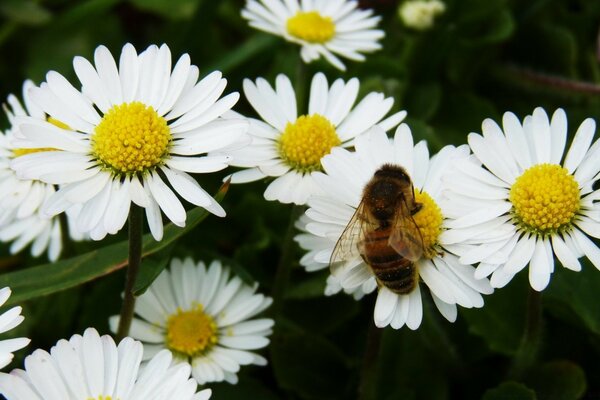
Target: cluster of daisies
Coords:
[[135, 130]]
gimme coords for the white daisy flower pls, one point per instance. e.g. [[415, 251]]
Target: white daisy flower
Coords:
[[343, 181], [21, 218], [322, 27], [133, 128], [9, 320], [93, 367], [420, 14], [289, 147], [203, 316], [529, 202]]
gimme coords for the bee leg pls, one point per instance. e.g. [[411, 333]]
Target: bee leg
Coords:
[[416, 208]]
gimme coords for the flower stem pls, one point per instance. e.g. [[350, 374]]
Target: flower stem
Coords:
[[284, 267], [368, 370], [67, 246], [530, 341], [133, 267]]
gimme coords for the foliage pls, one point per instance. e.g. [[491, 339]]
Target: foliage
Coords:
[[482, 58]]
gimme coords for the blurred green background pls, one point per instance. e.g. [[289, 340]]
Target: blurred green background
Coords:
[[482, 58]]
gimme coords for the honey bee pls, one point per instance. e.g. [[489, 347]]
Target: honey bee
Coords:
[[383, 232]]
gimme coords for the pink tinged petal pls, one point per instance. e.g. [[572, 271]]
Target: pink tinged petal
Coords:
[[118, 207], [492, 160], [72, 97], [448, 311], [107, 71], [318, 95], [129, 72], [204, 164], [565, 254], [521, 254], [580, 145], [539, 270], [385, 307], [588, 247], [44, 134], [541, 135], [166, 199], [558, 132], [189, 189], [91, 84]]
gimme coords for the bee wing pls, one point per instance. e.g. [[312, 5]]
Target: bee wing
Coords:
[[406, 237], [349, 245]]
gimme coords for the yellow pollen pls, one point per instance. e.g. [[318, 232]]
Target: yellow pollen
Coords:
[[131, 138], [311, 27], [22, 152], [191, 332], [429, 220], [303, 143], [545, 199]]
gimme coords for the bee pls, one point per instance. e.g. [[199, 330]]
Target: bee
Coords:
[[383, 232]]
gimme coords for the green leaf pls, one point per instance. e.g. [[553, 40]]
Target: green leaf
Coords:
[[248, 50], [50, 278], [25, 12], [311, 287], [559, 380], [573, 296], [493, 30], [510, 390], [152, 267], [501, 322], [424, 100], [170, 9]]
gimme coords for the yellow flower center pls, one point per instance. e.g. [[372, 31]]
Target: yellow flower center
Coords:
[[191, 332], [303, 143], [131, 138], [545, 199], [22, 152], [429, 220], [311, 27]]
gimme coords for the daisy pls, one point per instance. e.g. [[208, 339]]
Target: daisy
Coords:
[[345, 176], [93, 367], [529, 201], [203, 316], [9, 320], [321, 27], [21, 218], [131, 129], [420, 14], [289, 147]]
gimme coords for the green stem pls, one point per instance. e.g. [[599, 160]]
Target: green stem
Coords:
[[65, 237], [284, 267], [530, 341], [133, 267], [368, 372]]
